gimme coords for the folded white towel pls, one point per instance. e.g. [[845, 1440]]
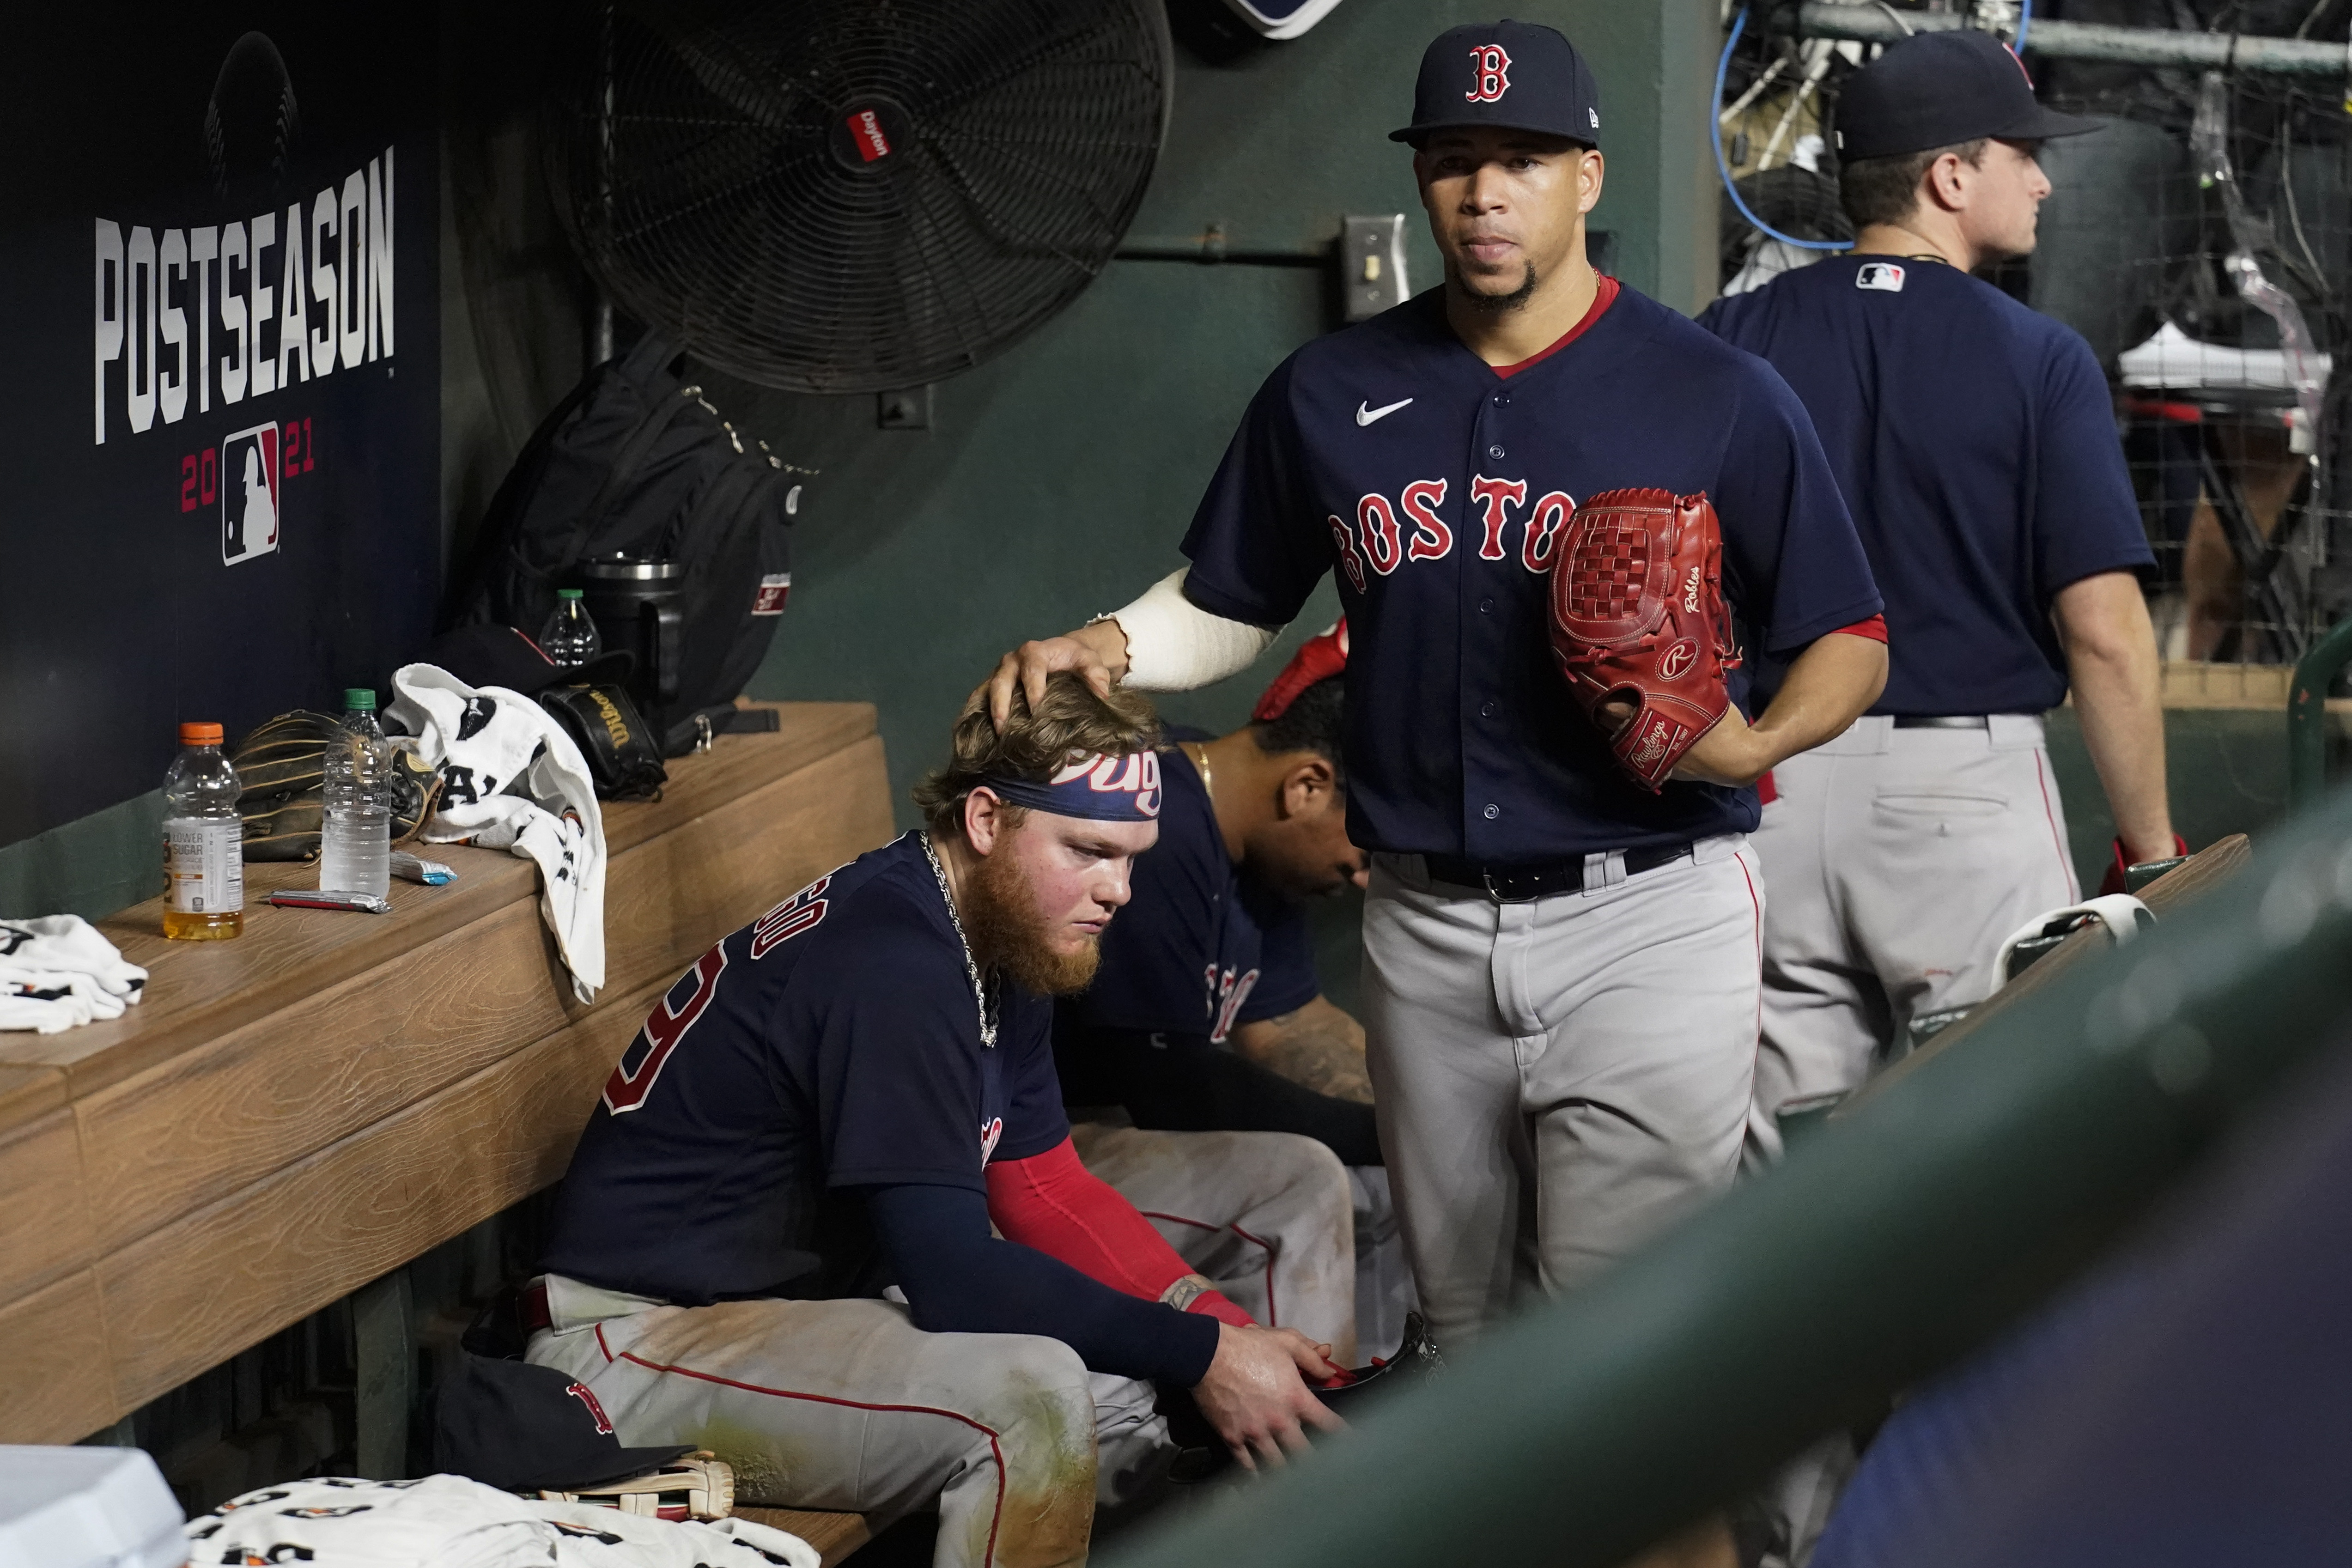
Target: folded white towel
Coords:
[[58, 972]]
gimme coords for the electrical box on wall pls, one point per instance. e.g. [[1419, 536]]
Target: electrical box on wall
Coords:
[[1371, 265]]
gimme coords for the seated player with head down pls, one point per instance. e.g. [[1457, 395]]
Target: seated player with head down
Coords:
[[850, 1090], [1207, 1021]]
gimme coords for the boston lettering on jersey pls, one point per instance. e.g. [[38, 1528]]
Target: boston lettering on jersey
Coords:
[[1442, 520], [1975, 442], [831, 1044]]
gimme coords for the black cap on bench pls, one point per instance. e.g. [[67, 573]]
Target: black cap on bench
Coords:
[[520, 1428]]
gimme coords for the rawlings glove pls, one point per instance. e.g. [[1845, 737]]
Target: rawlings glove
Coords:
[[1637, 613]]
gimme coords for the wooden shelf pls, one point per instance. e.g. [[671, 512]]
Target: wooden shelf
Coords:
[[291, 1114]]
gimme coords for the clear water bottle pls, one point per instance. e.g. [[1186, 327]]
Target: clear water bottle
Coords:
[[356, 843], [570, 638], [204, 841]]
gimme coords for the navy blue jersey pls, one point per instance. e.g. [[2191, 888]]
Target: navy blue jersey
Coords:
[[1975, 442], [1437, 489], [1199, 949], [833, 1043]]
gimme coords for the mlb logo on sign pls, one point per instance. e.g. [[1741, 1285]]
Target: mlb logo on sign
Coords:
[[1884, 276], [248, 491]]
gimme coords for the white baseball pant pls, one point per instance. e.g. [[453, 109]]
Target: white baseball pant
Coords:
[[847, 1406], [1556, 1079], [1899, 860], [1267, 1218]]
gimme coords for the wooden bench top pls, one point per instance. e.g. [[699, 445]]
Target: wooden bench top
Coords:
[[296, 1113]]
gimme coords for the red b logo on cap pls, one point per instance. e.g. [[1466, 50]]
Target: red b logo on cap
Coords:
[[1493, 74]]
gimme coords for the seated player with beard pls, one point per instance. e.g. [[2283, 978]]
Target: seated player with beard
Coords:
[[848, 1092]]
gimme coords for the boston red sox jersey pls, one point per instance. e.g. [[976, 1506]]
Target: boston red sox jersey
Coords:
[[833, 1043], [1199, 949], [1437, 489], [1975, 441]]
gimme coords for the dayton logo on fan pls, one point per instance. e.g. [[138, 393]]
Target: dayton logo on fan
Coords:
[[1493, 74], [866, 131], [1379, 542]]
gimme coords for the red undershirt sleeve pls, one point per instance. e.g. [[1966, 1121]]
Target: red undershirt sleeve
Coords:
[[1053, 1203], [1873, 628]]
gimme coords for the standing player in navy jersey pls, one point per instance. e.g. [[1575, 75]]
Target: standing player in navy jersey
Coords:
[[1975, 443], [1561, 966], [1207, 1029], [854, 1088]]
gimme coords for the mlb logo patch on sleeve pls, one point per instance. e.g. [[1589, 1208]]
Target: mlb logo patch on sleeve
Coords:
[[1884, 276]]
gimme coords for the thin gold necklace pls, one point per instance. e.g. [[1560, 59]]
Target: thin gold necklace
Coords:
[[1200, 755]]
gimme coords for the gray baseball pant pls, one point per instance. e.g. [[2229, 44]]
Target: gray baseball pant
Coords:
[[1267, 1218], [846, 1405], [1556, 1079], [1900, 859]]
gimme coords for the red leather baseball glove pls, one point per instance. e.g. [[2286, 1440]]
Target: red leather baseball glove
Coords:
[[1319, 657], [1637, 613]]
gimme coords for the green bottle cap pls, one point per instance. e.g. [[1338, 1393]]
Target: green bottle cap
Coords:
[[360, 698], [567, 592]]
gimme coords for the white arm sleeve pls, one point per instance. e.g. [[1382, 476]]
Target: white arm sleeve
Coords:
[[1173, 645]]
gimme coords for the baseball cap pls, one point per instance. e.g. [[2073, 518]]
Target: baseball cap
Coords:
[[520, 1428], [492, 655], [1514, 75], [1937, 90]]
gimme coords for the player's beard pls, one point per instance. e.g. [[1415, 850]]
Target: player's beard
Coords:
[[1497, 304], [1007, 932]]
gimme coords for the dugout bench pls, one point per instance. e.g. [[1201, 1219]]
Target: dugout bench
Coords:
[[291, 1117]]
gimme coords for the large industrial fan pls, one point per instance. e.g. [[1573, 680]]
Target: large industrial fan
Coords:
[[847, 195]]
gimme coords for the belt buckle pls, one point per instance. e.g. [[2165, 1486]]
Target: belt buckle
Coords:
[[1500, 897]]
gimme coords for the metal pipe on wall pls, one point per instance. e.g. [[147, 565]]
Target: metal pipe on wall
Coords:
[[2092, 41]]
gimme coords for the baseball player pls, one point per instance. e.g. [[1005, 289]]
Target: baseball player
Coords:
[[854, 1088], [1975, 444], [1207, 1018], [1561, 967]]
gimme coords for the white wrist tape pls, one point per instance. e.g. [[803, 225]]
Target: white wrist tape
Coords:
[[1173, 645]]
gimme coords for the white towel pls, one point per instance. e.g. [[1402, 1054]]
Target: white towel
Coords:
[[511, 779], [448, 1521], [56, 973]]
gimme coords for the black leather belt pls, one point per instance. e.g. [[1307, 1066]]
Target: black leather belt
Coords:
[[1942, 721], [1518, 884]]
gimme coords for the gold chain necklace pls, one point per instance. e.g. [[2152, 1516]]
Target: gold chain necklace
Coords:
[[1200, 755]]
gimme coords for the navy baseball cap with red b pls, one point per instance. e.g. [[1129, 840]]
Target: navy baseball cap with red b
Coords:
[[1507, 75], [1940, 90]]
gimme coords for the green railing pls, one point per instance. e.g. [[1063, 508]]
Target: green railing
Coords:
[[2306, 714], [1885, 1247]]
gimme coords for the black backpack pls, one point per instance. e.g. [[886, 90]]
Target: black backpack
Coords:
[[637, 462]]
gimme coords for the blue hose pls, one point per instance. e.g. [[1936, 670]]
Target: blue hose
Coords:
[[1715, 121], [2024, 20]]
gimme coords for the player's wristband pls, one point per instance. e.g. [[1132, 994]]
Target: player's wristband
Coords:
[[1193, 1294]]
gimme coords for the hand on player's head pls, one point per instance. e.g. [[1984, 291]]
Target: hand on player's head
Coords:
[[1256, 1394]]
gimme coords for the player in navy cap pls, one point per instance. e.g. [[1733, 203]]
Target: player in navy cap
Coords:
[[1207, 1023], [1561, 970], [849, 1091], [1975, 443]]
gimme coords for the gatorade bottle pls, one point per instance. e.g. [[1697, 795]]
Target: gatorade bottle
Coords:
[[204, 841], [355, 844]]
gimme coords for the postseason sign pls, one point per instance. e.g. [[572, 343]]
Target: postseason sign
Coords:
[[222, 466]]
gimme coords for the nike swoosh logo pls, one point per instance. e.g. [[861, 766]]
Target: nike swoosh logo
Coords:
[[1366, 415]]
